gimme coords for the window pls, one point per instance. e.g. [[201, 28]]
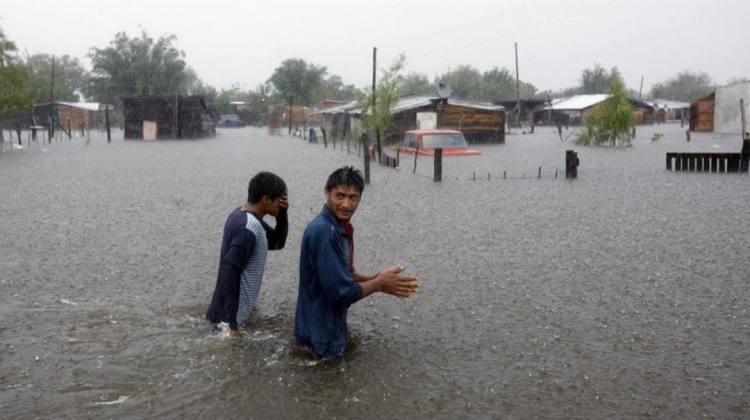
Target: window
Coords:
[[435, 141]]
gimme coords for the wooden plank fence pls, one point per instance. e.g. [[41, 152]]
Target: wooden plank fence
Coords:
[[710, 162]]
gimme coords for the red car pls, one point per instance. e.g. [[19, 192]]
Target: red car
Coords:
[[424, 143]]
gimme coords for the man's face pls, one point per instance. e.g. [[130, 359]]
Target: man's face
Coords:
[[272, 206], [343, 201]]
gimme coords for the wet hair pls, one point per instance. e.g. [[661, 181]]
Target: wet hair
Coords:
[[346, 176], [265, 184]]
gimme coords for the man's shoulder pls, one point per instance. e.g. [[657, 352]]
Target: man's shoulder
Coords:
[[319, 226]]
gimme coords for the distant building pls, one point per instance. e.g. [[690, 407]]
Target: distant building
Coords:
[[149, 117], [575, 110], [480, 123], [702, 114], [666, 111], [727, 117]]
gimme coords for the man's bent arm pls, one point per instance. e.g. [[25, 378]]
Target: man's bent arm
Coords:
[[277, 236]]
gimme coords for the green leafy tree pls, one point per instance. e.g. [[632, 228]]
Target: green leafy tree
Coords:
[[71, 80], [297, 79], [500, 83], [13, 78], [686, 87], [417, 84], [465, 80], [387, 92], [597, 80], [138, 66], [613, 120], [333, 88]]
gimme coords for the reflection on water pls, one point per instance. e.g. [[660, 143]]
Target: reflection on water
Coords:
[[620, 294]]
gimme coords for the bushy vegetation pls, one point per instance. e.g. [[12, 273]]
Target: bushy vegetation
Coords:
[[612, 122]]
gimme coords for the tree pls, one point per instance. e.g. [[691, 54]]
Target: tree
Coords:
[[298, 79], [387, 91], [416, 84], [465, 80], [13, 78], [686, 87], [137, 66], [71, 79], [195, 86], [613, 121], [333, 88], [598, 79]]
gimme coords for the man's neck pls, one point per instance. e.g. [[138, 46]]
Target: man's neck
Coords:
[[254, 208]]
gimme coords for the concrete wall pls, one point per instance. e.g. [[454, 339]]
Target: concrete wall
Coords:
[[727, 118]]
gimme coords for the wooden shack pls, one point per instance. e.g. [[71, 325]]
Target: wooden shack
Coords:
[[78, 114], [702, 114], [575, 110], [299, 115], [148, 117], [480, 123]]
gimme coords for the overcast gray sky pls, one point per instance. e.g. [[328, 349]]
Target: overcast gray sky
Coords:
[[243, 42]]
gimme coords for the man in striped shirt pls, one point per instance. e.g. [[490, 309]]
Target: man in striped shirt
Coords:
[[247, 239]]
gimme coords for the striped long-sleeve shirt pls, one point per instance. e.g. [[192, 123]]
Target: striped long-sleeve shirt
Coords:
[[243, 259]]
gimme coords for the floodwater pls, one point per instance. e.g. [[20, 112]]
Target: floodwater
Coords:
[[621, 294]]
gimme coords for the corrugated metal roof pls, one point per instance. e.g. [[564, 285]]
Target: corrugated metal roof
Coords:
[[578, 103], [665, 104], [412, 102], [88, 106]]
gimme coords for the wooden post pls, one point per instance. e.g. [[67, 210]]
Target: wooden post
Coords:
[[438, 165], [70, 133], [51, 101], [366, 151], [18, 132], [742, 115], [518, 90], [83, 129], [571, 164], [175, 119], [106, 121], [325, 138], [687, 133], [291, 112], [540, 173], [374, 96], [745, 155]]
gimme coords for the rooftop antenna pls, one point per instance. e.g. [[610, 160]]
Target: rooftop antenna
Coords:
[[444, 92]]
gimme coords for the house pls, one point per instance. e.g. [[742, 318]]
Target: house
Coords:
[[279, 115], [669, 111], [575, 110], [727, 117], [480, 123], [148, 117], [65, 114], [527, 110]]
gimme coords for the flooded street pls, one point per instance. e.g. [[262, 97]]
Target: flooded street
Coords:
[[622, 294]]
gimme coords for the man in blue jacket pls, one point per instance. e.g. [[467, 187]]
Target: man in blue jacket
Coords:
[[328, 283], [247, 239]]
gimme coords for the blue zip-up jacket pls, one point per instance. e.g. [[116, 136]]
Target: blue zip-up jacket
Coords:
[[326, 286]]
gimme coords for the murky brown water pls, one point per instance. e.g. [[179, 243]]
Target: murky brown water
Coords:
[[621, 294]]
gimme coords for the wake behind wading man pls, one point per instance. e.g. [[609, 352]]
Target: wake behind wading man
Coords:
[[328, 282], [245, 244]]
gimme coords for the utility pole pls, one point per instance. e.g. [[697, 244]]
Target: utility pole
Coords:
[[372, 114], [518, 90], [291, 112], [51, 99], [640, 91]]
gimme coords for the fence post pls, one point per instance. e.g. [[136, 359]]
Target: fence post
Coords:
[[571, 164], [438, 165], [745, 155], [106, 121]]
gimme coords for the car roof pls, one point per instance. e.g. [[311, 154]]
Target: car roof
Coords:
[[435, 131]]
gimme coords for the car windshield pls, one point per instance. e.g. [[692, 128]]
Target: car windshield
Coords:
[[435, 141]]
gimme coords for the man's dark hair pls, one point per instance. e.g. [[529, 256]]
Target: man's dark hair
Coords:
[[346, 176], [265, 184]]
